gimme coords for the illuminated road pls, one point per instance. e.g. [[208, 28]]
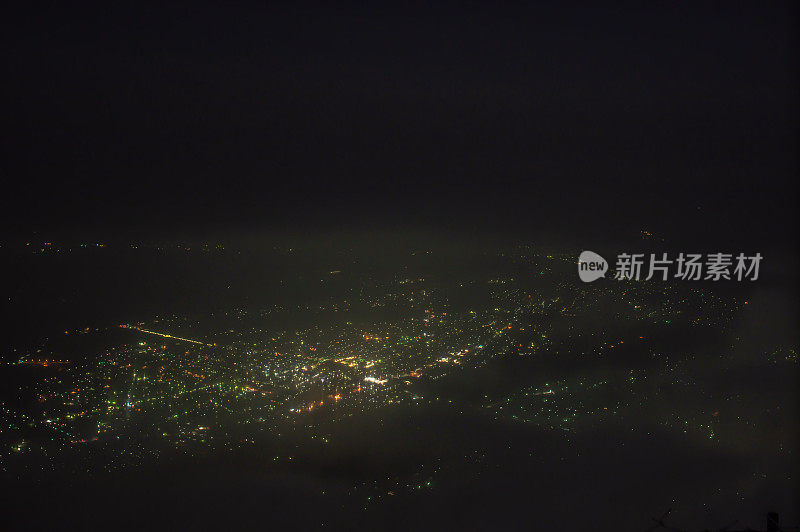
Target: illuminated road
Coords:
[[164, 335]]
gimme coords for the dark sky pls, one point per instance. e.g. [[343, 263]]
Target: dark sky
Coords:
[[679, 118]]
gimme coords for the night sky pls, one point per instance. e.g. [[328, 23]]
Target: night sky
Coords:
[[678, 118]]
